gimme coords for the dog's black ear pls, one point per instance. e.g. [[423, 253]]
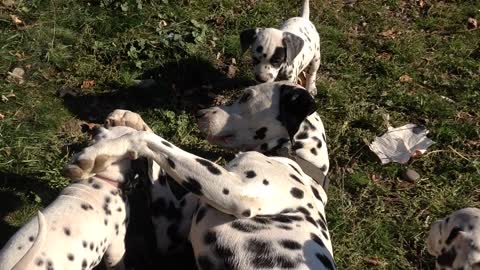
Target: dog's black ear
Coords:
[[295, 105], [294, 45], [247, 37]]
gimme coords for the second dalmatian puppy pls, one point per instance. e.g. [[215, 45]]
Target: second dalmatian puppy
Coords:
[[283, 54]]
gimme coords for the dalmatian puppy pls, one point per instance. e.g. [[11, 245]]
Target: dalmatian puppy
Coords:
[[282, 54], [277, 118], [455, 240], [85, 223], [171, 206], [257, 212]]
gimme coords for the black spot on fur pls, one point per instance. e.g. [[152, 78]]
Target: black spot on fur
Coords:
[[70, 257], [284, 227], [293, 167], [250, 174], [317, 240], [294, 177], [211, 167], [66, 231], [84, 264], [31, 238], [323, 168], [311, 220], [296, 193], [453, 234], [39, 262], [302, 136], [319, 142], [316, 194], [193, 186], [223, 251], [325, 234], [84, 243], [85, 206], [91, 246], [171, 163], [258, 247], [322, 222], [210, 237], [96, 186], [310, 205], [200, 214], [245, 226], [278, 57], [265, 182], [327, 262], [259, 49], [286, 218], [261, 220], [304, 211], [225, 191], [167, 144], [290, 244], [260, 133]]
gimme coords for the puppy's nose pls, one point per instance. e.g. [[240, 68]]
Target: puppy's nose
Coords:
[[260, 78]]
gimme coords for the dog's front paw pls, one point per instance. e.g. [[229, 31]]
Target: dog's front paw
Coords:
[[126, 118], [86, 164], [312, 90]]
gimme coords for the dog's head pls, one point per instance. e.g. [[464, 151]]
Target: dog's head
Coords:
[[118, 171], [263, 113], [455, 240], [271, 50]]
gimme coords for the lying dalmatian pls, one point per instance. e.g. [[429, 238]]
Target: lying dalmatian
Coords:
[[455, 240], [258, 212], [274, 118], [85, 223], [282, 54]]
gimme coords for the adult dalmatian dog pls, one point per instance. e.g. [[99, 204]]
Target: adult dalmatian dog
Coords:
[[282, 54], [87, 222], [257, 212], [455, 240], [274, 118]]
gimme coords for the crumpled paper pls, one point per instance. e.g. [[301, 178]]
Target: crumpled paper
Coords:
[[401, 143]]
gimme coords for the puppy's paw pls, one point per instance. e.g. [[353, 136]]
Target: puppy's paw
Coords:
[[126, 118], [312, 90]]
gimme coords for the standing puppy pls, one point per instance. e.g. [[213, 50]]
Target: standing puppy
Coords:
[[282, 54]]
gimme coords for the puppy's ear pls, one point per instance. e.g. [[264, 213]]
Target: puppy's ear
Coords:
[[247, 37], [295, 105], [294, 45]]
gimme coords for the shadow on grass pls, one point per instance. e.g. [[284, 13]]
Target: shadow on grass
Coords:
[[11, 185], [188, 84]]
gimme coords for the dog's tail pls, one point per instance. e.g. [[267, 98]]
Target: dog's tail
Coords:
[[25, 263], [306, 9]]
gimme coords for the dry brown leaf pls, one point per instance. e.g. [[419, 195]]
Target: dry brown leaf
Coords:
[[162, 23], [472, 23], [390, 34], [16, 20], [88, 84], [374, 261], [405, 78], [473, 143]]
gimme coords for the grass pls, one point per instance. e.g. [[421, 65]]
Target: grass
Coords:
[[377, 220]]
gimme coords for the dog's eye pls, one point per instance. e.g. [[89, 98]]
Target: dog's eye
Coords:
[[244, 98], [255, 61]]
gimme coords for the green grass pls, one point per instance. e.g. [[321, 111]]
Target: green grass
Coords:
[[373, 214]]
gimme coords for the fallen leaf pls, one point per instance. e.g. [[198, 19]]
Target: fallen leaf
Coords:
[[88, 84], [4, 99], [162, 23], [16, 20], [2, 116], [388, 34], [16, 75], [472, 23], [405, 78], [374, 261]]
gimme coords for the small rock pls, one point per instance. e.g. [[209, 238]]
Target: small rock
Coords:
[[411, 175]]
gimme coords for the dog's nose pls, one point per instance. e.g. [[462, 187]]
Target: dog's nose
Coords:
[[260, 78]]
